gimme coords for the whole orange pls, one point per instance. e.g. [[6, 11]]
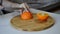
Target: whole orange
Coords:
[[26, 15]]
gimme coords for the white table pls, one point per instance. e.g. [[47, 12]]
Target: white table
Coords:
[[6, 28]]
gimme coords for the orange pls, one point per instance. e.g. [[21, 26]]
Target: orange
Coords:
[[42, 16], [26, 15]]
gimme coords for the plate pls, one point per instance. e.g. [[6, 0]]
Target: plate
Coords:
[[6, 28]]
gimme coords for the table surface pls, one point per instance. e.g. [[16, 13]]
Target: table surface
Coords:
[[6, 28]]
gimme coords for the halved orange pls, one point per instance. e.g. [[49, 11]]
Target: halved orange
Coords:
[[42, 16]]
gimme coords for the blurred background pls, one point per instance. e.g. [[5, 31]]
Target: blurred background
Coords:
[[46, 5]]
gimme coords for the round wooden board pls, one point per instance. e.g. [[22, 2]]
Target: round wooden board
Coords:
[[31, 25]]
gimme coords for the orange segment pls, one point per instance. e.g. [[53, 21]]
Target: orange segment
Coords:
[[42, 16], [26, 15]]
